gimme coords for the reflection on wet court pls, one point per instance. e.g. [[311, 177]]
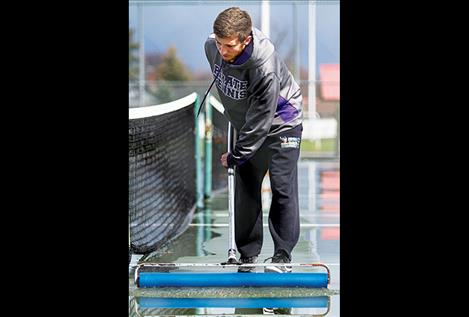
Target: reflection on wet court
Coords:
[[205, 241]]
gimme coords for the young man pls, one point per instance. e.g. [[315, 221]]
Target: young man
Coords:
[[263, 103]]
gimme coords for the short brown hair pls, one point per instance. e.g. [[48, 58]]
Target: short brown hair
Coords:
[[233, 21]]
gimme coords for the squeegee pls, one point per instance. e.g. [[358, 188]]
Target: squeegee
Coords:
[[148, 274]]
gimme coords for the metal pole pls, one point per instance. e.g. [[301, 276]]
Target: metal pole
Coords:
[[198, 159], [312, 60], [207, 219], [265, 18], [231, 203], [199, 238], [208, 149], [141, 64], [296, 42]]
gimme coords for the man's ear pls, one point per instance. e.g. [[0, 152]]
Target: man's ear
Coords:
[[248, 40]]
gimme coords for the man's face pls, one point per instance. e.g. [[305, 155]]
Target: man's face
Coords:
[[231, 47]]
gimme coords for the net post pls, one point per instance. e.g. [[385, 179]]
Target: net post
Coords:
[[208, 149], [198, 158]]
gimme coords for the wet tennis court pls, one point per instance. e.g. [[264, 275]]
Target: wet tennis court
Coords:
[[206, 241]]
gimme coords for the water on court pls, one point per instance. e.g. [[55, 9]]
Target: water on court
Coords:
[[206, 241]]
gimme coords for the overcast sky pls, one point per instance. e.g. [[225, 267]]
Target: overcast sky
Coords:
[[187, 25]]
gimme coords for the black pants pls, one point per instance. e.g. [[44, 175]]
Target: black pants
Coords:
[[279, 155]]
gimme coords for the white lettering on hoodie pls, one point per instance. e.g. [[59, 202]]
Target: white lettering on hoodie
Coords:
[[231, 86]]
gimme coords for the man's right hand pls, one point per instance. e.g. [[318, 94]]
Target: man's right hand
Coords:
[[224, 160]]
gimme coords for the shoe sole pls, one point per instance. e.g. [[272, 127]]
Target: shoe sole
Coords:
[[247, 269], [277, 269]]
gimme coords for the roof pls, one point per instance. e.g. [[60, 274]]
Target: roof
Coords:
[[329, 76]]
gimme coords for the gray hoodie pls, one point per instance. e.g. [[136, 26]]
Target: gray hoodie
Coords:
[[259, 94]]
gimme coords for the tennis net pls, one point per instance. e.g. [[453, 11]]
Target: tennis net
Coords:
[[162, 190]]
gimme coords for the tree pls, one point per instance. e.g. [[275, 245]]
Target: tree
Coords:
[[171, 68]]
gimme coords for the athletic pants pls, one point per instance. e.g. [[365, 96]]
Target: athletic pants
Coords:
[[279, 155]]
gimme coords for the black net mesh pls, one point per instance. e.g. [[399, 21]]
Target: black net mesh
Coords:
[[219, 146], [162, 190]]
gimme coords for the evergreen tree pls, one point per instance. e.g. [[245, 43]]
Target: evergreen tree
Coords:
[[171, 68]]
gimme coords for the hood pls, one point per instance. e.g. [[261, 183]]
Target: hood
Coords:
[[257, 52]]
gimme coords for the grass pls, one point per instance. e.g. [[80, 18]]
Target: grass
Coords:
[[323, 145]]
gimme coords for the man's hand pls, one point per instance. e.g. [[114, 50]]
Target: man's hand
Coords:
[[224, 160]]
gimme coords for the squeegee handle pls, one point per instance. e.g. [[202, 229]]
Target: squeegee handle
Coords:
[[231, 192]]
